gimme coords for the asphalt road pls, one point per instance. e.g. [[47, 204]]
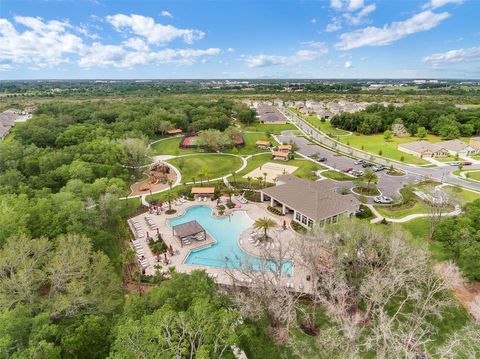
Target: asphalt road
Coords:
[[388, 185]]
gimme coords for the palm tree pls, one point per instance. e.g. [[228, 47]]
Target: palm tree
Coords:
[[249, 179], [127, 259], [233, 175], [265, 174], [229, 191], [264, 224], [369, 176], [169, 199], [206, 174]]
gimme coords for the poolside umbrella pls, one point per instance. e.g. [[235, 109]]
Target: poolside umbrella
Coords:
[[148, 236], [165, 254], [158, 231]]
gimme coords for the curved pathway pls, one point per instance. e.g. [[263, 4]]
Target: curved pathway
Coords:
[[378, 217]]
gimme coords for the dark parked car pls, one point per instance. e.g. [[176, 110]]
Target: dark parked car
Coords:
[[322, 159], [347, 170], [467, 163], [366, 164]]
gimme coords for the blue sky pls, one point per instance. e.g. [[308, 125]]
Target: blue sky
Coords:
[[233, 39]]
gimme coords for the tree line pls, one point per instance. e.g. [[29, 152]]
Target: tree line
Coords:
[[444, 120]]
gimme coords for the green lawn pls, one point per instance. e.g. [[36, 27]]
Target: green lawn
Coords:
[[474, 175], [325, 126], [376, 143], [275, 129], [338, 176], [216, 165], [250, 148], [401, 211], [170, 146], [305, 167]]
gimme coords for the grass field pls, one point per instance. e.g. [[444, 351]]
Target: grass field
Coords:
[[326, 127], [376, 143], [475, 175], [170, 146], [250, 148], [399, 212], [195, 166], [305, 167], [338, 176], [275, 129]]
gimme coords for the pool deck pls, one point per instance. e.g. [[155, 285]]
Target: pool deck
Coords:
[[281, 238]]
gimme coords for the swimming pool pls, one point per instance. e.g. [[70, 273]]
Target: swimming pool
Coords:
[[225, 253]]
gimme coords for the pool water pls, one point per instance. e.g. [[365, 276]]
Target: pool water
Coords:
[[225, 253]]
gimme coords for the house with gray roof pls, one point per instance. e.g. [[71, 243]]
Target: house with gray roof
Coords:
[[310, 202], [460, 148], [423, 149], [269, 114]]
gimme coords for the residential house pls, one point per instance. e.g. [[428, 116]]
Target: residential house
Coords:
[[423, 149], [310, 202], [270, 115], [475, 142], [460, 148]]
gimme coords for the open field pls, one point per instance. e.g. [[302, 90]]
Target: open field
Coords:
[[475, 175], [206, 166], [305, 169], [170, 146], [250, 148], [376, 143], [275, 129]]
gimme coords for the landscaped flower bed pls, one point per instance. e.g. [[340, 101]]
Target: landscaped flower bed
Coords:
[[365, 191], [275, 211]]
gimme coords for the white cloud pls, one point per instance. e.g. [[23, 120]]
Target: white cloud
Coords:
[[51, 43], [313, 21], [100, 55], [231, 49], [355, 5], [335, 25], [336, 4], [43, 43], [454, 56], [359, 17], [375, 36], [155, 33], [165, 13], [348, 65], [434, 4], [351, 12], [317, 49]]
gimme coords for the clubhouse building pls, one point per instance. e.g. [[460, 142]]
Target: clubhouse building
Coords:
[[310, 202]]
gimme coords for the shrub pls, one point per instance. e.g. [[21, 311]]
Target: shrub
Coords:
[[157, 246], [364, 212], [230, 204], [252, 196], [275, 211], [170, 211], [297, 227]]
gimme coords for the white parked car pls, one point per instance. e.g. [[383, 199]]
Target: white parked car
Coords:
[[382, 200]]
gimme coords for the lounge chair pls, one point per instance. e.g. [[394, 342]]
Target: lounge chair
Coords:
[[199, 199]]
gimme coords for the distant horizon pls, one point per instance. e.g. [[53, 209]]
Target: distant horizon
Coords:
[[291, 39], [248, 79]]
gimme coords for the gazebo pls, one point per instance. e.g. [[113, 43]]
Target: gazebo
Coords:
[[203, 191], [188, 230], [174, 132]]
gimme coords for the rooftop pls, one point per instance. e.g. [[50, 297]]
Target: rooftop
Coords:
[[187, 229], [317, 200], [421, 146], [453, 145], [203, 190]]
